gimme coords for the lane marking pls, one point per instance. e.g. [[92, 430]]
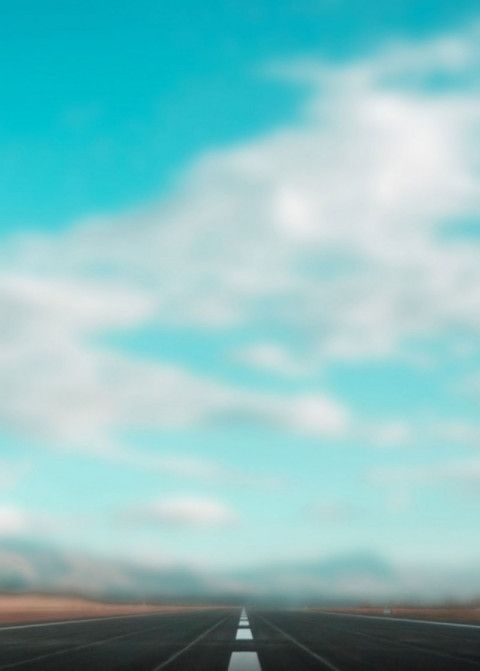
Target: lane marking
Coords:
[[398, 619], [310, 652], [85, 619], [64, 651], [177, 654], [244, 635], [244, 661]]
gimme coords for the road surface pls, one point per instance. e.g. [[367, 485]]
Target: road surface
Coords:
[[231, 640]]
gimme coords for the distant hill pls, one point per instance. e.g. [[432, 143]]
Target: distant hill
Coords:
[[357, 577], [329, 579], [26, 566]]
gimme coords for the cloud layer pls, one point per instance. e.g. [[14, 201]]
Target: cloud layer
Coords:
[[346, 239], [183, 511], [330, 232]]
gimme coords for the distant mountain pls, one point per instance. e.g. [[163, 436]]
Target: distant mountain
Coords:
[[26, 565], [331, 579], [355, 577]]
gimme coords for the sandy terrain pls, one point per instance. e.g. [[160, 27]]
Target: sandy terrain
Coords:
[[39, 607], [445, 614]]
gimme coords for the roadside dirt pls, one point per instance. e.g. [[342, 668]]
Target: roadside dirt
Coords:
[[18, 608]]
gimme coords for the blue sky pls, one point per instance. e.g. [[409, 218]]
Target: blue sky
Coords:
[[102, 106], [240, 280]]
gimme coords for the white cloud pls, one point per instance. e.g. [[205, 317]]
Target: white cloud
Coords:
[[62, 388], [331, 224], [76, 396], [21, 522], [188, 511], [317, 415], [329, 228], [13, 521], [272, 357]]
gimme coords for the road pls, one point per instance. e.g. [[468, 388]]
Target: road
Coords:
[[226, 639]]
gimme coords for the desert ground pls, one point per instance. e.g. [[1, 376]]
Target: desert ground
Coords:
[[16, 608]]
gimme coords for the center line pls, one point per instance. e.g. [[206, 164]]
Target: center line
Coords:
[[244, 635], [244, 661]]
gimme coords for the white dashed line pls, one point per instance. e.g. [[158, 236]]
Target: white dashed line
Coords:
[[244, 635], [244, 661]]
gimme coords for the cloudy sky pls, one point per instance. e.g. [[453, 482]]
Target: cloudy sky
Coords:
[[240, 279]]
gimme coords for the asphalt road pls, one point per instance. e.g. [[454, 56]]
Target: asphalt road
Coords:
[[221, 640]]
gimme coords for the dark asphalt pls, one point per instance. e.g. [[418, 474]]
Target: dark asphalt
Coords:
[[283, 640]]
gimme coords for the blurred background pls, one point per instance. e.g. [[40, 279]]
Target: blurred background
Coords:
[[240, 299]]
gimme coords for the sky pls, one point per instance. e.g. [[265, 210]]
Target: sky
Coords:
[[240, 280]]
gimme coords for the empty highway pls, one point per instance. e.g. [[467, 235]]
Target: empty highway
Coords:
[[235, 640]]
